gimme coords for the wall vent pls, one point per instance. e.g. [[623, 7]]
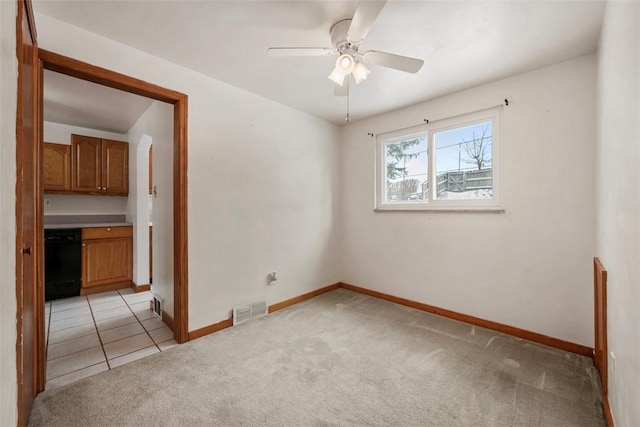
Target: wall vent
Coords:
[[157, 305], [245, 312]]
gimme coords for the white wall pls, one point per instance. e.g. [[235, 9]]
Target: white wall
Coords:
[[156, 124], [81, 205], [60, 133], [529, 267], [263, 182], [137, 209], [618, 202], [8, 90], [63, 204]]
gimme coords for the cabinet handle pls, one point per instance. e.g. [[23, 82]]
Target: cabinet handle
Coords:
[[108, 229], [99, 188]]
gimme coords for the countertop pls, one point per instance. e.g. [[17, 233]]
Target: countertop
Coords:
[[57, 222], [86, 225]]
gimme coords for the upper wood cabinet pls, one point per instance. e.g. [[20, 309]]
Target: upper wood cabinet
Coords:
[[57, 167], [99, 166], [115, 167], [87, 163]]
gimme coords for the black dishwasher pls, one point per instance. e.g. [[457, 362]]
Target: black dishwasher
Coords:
[[62, 263]]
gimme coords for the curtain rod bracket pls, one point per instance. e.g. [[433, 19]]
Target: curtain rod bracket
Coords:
[[370, 134], [506, 102], [426, 121]]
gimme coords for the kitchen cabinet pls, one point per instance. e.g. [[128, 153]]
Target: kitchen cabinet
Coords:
[[99, 166], [107, 258], [57, 166]]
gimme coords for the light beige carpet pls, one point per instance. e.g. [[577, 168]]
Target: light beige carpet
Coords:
[[341, 359]]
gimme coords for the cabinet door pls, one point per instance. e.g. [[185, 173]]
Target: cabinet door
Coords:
[[106, 261], [86, 170], [57, 167], [115, 167]]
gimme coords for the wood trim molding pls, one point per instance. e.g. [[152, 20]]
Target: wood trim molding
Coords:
[[168, 320], [106, 287], [601, 351], [41, 362], [140, 288], [499, 327], [223, 324], [510, 330], [102, 76], [606, 408], [31, 19], [82, 70], [21, 413], [298, 299], [180, 229], [28, 192]]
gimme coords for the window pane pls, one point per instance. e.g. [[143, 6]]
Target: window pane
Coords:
[[464, 163], [406, 173]]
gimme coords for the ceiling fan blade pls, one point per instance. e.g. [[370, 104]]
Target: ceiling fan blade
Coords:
[[398, 62], [300, 51], [363, 19], [342, 90]]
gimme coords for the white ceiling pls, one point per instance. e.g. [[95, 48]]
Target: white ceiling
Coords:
[[463, 43], [77, 102]]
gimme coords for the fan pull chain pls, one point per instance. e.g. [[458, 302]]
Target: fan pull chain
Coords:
[[347, 118]]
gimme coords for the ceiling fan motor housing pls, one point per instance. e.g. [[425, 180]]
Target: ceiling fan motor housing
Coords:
[[339, 40]]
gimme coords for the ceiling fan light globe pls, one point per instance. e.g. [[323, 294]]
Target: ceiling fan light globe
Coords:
[[360, 72], [345, 63], [337, 76]]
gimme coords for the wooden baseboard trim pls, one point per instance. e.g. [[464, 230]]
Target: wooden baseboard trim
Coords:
[[105, 288], [510, 330], [298, 299], [168, 320], [607, 410], [140, 288], [506, 329], [223, 324]]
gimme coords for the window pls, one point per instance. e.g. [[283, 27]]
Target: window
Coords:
[[449, 164]]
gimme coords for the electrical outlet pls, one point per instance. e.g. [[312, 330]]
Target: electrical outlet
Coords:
[[48, 203], [612, 365]]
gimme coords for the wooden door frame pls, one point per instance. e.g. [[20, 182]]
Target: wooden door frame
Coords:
[[25, 13], [82, 70], [600, 348]]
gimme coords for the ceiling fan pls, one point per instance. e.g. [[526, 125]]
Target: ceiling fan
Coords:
[[346, 37]]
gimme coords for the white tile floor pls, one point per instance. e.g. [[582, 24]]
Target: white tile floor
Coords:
[[90, 334]]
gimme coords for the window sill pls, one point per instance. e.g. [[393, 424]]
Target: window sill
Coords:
[[426, 209]]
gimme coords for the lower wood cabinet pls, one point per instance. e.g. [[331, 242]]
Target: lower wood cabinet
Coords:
[[107, 257]]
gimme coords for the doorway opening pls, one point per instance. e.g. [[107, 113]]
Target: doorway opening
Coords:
[[175, 199]]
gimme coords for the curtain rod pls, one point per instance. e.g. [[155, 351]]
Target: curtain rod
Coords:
[[427, 121]]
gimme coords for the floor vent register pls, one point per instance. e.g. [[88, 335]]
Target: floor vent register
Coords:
[[245, 312]]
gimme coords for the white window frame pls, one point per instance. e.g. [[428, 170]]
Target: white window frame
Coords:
[[429, 130]]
